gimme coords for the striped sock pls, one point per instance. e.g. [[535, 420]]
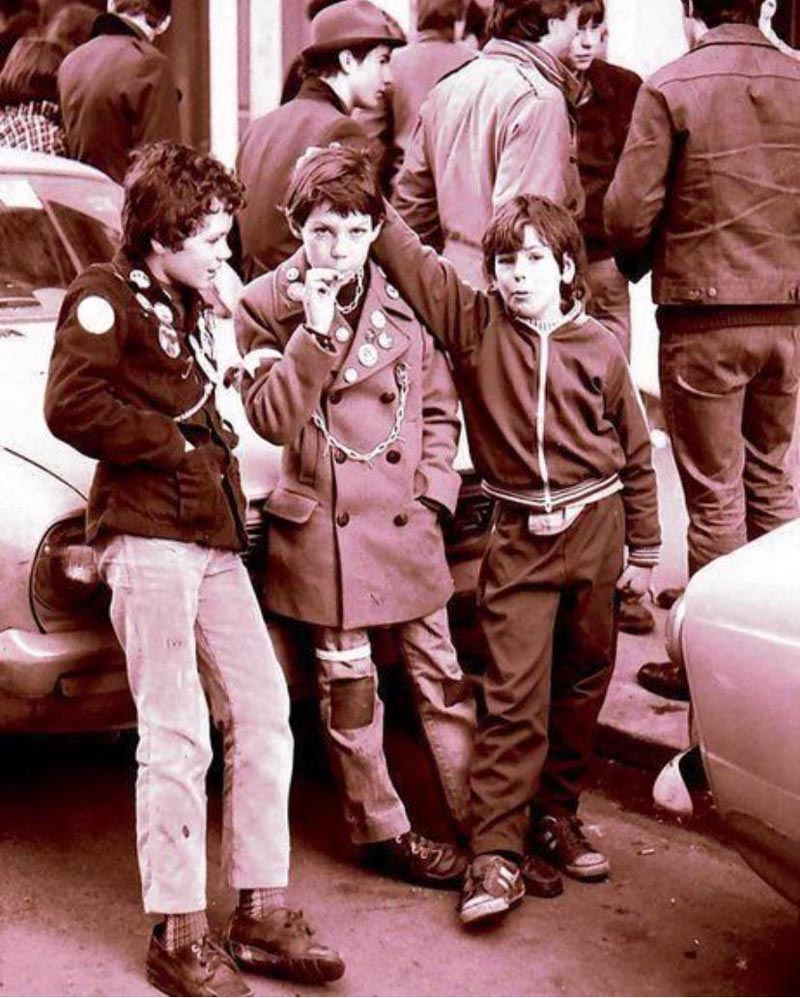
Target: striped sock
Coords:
[[256, 902], [182, 930]]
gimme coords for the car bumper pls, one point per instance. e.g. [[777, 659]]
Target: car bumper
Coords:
[[72, 663]]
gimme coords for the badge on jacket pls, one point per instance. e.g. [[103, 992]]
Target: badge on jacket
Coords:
[[95, 314]]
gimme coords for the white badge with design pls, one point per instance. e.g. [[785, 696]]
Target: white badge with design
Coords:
[[95, 314], [164, 313], [168, 339], [367, 355]]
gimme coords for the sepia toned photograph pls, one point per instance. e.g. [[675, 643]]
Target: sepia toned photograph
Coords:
[[400, 490]]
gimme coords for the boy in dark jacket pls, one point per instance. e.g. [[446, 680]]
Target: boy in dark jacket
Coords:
[[131, 383], [558, 434]]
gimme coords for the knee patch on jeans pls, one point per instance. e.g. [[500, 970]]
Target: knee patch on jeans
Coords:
[[455, 691], [352, 703]]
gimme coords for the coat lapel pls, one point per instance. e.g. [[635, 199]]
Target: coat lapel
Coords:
[[383, 334]]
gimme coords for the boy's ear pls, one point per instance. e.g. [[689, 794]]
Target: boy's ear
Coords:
[[376, 231], [568, 269], [347, 61], [295, 230], [158, 247]]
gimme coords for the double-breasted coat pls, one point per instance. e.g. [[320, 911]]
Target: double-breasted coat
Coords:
[[352, 543]]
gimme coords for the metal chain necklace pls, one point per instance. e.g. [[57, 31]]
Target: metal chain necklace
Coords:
[[347, 309], [402, 378]]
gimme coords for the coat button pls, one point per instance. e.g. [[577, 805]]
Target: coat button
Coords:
[[335, 398], [401, 519], [712, 292], [388, 397], [339, 456], [342, 519], [393, 456]]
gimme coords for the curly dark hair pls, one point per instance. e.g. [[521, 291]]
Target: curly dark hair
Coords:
[[169, 190], [554, 226], [341, 177]]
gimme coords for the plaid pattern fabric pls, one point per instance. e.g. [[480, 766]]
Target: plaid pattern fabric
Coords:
[[34, 125]]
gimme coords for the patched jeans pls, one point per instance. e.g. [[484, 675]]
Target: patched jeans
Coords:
[[193, 636], [730, 399], [352, 716]]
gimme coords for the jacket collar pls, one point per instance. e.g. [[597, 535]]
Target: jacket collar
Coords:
[[538, 58], [315, 88], [110, 24], [734, 34]]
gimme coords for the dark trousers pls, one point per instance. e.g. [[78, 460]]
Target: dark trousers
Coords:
[[730, 399], [547, 608]]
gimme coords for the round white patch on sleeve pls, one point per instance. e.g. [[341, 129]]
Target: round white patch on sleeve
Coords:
[[96, 314]]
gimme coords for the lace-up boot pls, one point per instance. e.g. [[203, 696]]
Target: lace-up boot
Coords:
[[281, 944]]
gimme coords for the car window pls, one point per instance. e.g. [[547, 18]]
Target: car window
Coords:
[[51, 227]]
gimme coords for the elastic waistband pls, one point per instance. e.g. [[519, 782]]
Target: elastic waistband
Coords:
[[574, 495]]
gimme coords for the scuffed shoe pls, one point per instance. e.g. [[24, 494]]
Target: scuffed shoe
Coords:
[[418, 860], [633, 617], [492, 886], [665, 679], [542, 880], [281, 945], [561, 841], [202, 968]]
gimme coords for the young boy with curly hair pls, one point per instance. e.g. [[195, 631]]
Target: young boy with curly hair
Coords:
[[131, 383], [559, 436]]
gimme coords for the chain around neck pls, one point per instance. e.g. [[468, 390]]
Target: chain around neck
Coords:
[[347, 309]]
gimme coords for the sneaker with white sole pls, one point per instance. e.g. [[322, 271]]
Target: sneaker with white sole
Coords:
[[561, 841], [492, 885]]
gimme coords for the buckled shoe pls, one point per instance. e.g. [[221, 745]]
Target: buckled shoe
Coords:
[[561, 841], [281, 944], [201, 968], [492, 886], [418, 860]]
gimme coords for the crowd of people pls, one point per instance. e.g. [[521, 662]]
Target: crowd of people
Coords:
[[421, 226]]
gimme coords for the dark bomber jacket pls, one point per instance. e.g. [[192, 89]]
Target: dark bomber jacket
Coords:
[[119, 376], [552, 420], [707, 187]]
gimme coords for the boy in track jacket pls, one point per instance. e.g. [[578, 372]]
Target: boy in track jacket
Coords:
[[558, 434]]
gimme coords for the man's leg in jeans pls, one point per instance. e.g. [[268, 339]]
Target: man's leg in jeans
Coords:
[[352, 717], [770, 410], [610, 301], [445, 702], [155, 585], [703, 387], [250, 703]]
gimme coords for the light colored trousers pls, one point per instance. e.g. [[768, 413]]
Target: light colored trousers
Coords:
[[193, 635], [352, 716]]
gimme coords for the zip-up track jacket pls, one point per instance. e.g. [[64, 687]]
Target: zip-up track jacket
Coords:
[[552, 420]]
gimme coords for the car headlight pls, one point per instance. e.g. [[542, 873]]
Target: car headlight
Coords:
[[65, 587], [674, 630]]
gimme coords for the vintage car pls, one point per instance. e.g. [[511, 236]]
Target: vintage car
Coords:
[[737, 630], [61, 668]]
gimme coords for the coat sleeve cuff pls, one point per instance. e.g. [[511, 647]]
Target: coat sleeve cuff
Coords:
[[644, 557]]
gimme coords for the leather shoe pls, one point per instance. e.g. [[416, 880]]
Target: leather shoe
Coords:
[[281, 945], [667, 598], [202, 968], [418, 860], [541, 879], [634, 618], [665, 679]]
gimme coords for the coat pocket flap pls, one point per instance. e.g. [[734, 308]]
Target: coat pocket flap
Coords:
[[291, 506]]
